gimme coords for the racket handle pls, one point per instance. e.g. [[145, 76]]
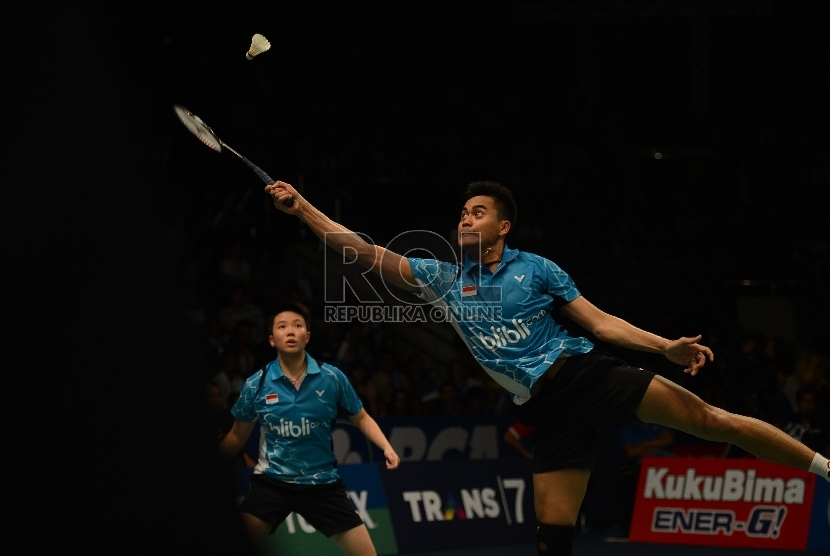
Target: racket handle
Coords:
[[264, 177]]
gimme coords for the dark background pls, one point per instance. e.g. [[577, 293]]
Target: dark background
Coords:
[[391, 108]]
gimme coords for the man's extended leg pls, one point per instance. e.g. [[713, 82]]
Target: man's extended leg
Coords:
[[557, 497], [671, 405]]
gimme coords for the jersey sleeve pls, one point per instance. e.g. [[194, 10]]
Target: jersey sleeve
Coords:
[[434, 277], [244, 408], [347, 397], [559, 284]]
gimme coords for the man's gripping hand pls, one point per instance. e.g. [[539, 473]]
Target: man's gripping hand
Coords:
[[281, 191]]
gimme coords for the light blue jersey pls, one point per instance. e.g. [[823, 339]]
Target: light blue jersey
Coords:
[[506, 318], [295, 442]]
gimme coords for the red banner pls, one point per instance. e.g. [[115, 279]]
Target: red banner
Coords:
[[745, 503]]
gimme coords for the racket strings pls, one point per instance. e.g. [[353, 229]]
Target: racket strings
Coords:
[[199, 128], [206, 135], [209, 142]]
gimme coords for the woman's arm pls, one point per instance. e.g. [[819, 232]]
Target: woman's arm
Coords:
[[370, 428], [236, 438]]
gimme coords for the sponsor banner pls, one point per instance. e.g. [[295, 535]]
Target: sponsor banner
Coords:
[[745, 503], [427, 439], [820, 521], [365, 490], [461, 504]]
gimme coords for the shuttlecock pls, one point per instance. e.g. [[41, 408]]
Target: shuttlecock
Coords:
[[259, 44]]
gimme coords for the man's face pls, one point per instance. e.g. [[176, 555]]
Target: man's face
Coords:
[[289, 333], [480, 223]]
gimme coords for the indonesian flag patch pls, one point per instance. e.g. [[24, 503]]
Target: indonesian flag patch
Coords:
[[467, 291], [271, 398]]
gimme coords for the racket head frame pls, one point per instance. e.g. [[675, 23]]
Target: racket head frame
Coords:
[[199, 128], [206, 135]]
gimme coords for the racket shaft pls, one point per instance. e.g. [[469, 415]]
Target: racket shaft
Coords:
[[258, 171]]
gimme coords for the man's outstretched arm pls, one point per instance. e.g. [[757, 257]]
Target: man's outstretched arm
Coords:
[[614, 330], [391, 267]]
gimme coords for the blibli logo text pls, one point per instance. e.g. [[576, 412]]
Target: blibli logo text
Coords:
[[289, 428], [502, 336]]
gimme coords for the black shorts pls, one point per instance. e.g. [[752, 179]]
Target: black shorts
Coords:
[[327, 508], [567, 412]]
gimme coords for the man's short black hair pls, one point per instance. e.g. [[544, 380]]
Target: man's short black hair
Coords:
[[294, 307], [505, 204]]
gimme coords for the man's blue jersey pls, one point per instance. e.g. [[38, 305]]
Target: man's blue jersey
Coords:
[[506, 318], [295, 440]]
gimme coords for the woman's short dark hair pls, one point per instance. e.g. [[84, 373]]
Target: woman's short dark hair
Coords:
[[294, 307], [505, 204]]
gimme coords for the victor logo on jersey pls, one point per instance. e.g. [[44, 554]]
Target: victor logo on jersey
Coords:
[[502, 336]]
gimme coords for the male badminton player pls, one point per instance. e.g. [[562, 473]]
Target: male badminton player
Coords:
[[567, 387], [296, 399]]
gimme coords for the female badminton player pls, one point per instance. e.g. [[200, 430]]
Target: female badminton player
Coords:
[[295, 400]]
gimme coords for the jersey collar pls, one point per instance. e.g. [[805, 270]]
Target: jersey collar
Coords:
[[312, 367], [506, 256]]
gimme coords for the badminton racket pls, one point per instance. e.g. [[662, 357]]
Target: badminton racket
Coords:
[[203, 133]]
